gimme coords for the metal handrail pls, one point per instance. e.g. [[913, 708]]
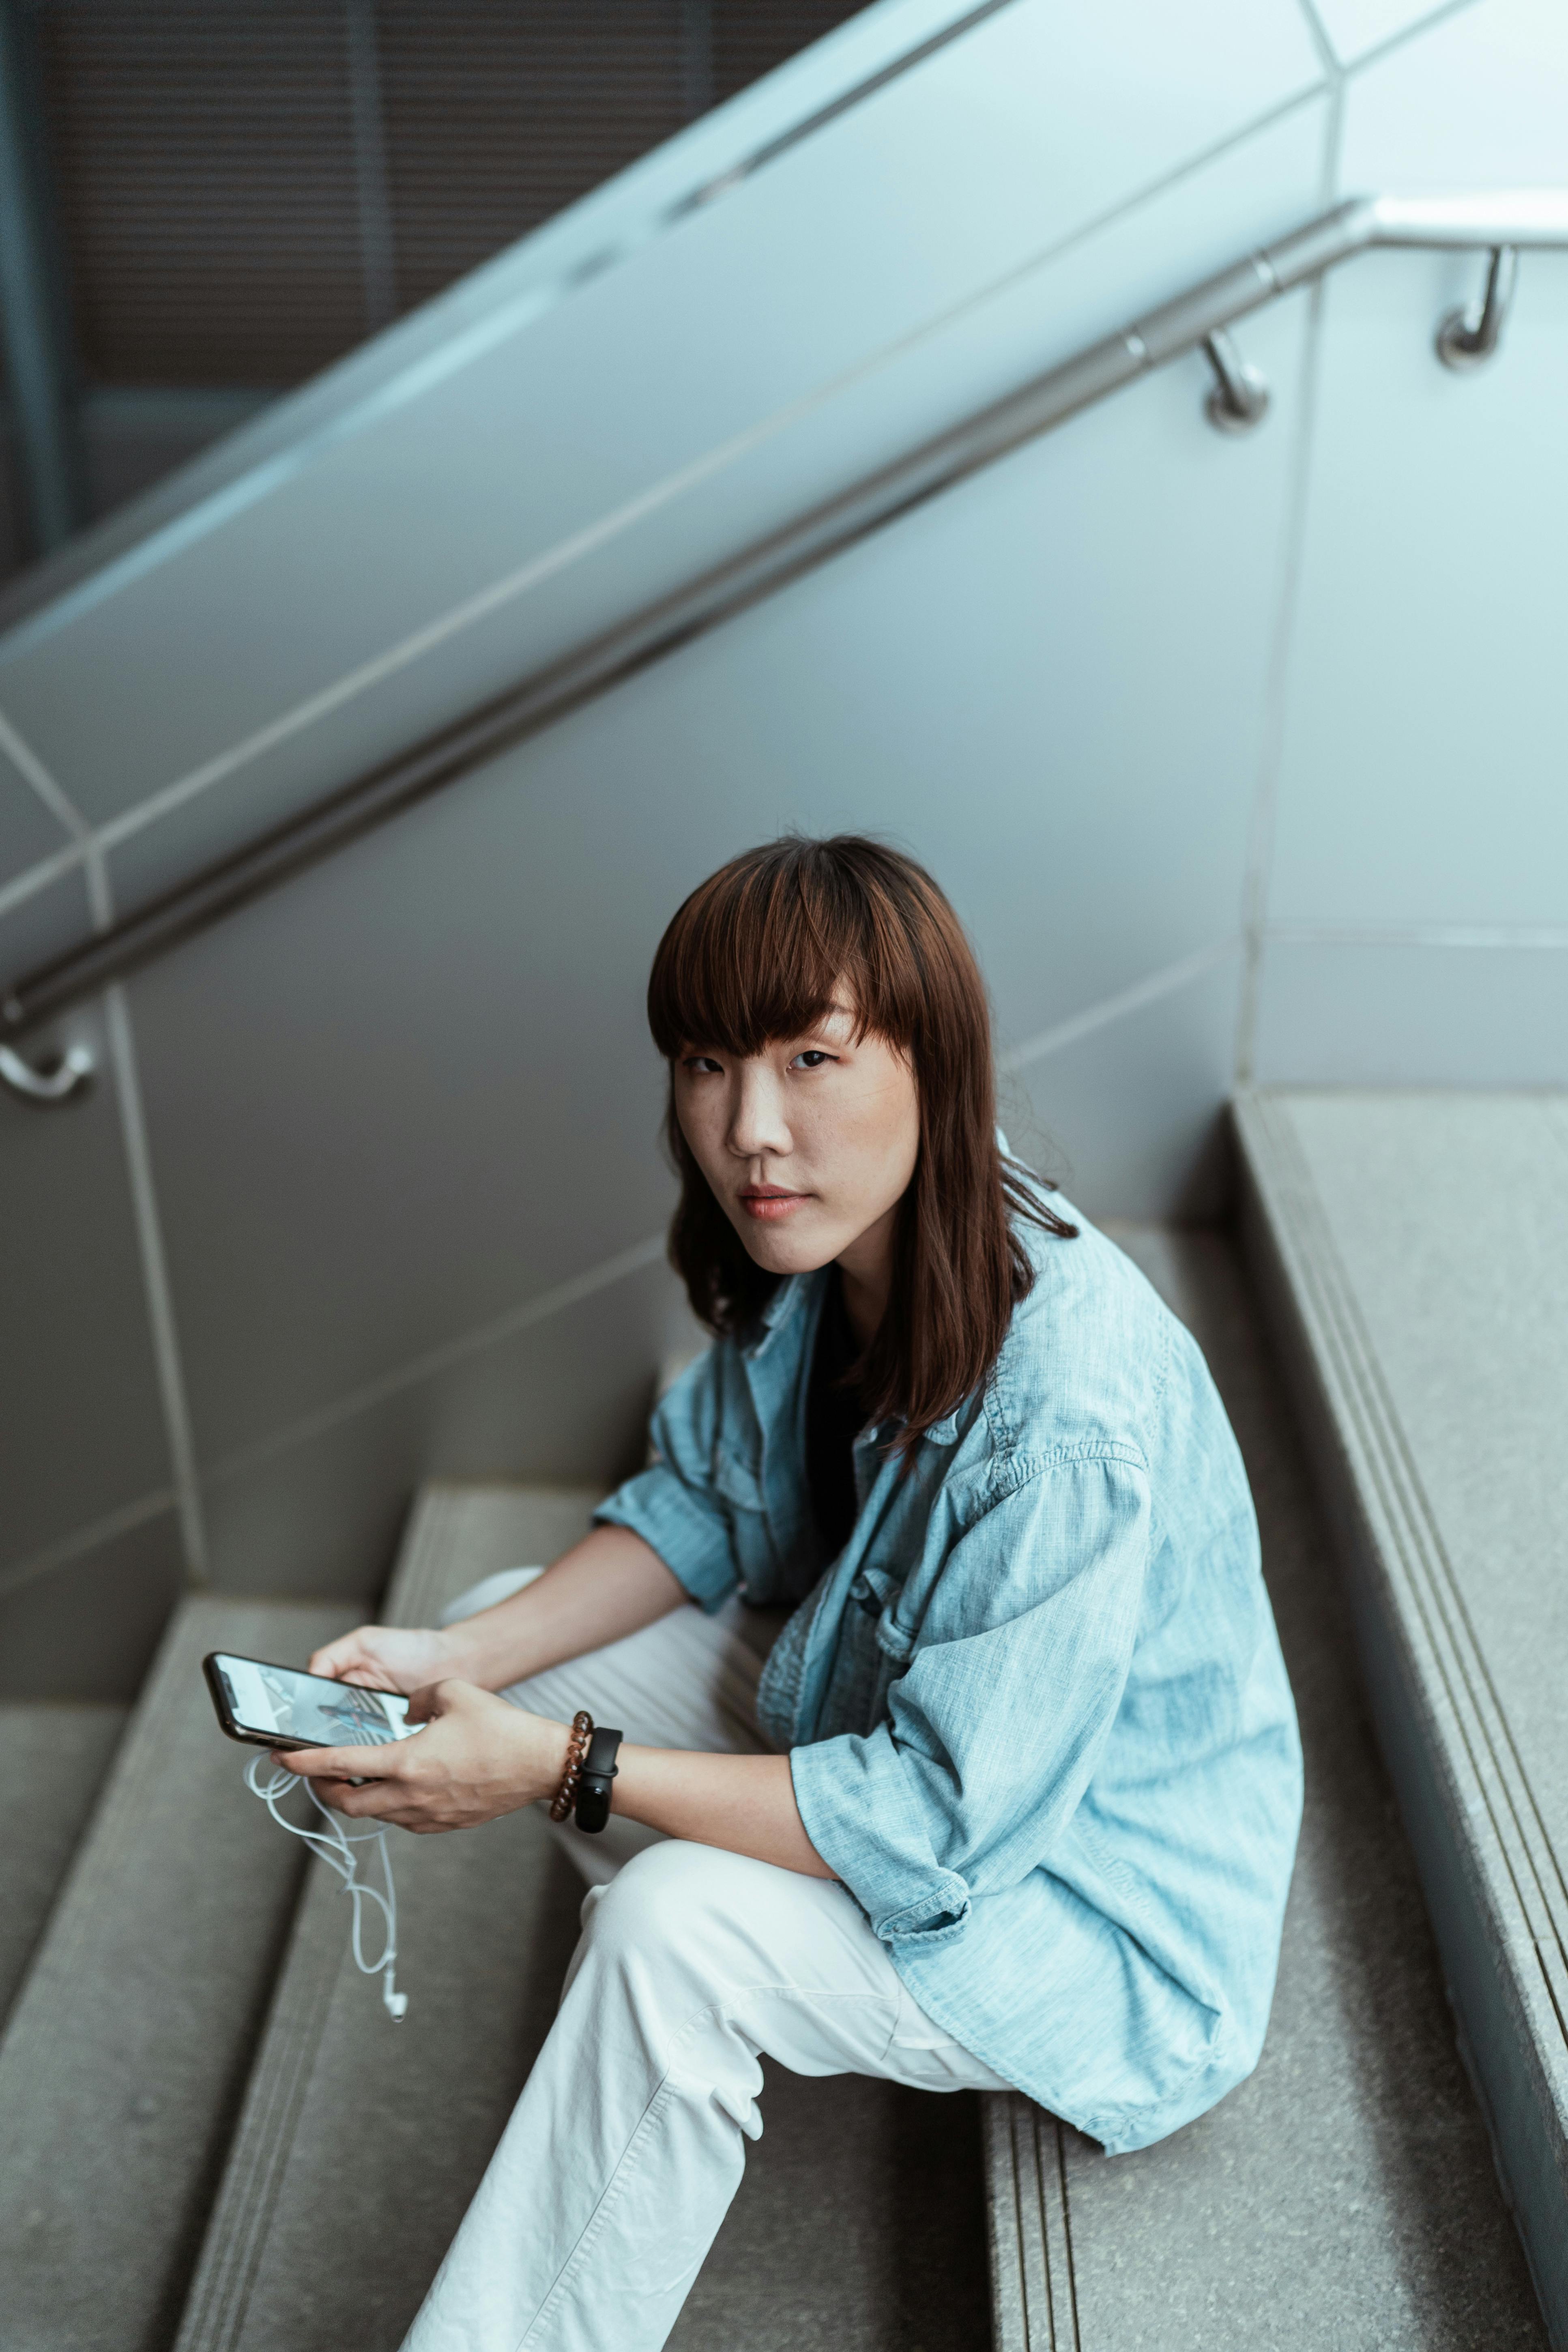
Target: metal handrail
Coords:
[[1500, 224]]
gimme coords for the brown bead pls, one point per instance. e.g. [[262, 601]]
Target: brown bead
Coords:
[[576, 1750]]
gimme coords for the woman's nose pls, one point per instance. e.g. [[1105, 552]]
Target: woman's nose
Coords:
[[757, 1123]]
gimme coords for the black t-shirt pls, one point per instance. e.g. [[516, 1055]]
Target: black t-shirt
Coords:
[[834, 1420]]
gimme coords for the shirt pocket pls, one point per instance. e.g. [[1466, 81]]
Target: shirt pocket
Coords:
[[878, 1594], [740, 1489]]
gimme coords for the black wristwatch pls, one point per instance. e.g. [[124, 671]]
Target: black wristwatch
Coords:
[[593, 1806]]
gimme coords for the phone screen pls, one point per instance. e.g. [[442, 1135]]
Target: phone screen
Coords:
[[279, 1702]]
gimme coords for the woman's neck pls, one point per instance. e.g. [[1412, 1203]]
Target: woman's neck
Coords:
[[866, 1270]]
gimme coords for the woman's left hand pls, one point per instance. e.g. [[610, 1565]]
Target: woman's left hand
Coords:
[[476, 1758]]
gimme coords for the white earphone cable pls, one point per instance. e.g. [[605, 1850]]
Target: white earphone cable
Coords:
[[272, 1784]]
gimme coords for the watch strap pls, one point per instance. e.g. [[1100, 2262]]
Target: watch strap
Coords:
[[593, 1799]]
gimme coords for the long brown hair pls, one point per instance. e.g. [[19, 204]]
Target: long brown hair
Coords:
[[761, 951]]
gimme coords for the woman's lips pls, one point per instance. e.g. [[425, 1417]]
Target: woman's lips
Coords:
[[767, 1204]]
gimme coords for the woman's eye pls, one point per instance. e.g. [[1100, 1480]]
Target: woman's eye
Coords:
[[811, 1059]]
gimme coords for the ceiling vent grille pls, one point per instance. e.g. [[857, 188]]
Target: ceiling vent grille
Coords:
[[245, 191]]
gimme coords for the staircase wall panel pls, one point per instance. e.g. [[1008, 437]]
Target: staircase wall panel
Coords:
[[1413, 1012], [81, 1621], [29, 832], [1269, 178], [81, 1430], [1417, 901], [999, 149]]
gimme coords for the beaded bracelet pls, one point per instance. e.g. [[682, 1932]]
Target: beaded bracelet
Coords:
[[576, 1749]]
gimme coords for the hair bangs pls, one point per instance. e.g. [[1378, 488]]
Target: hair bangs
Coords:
[[765, 948]]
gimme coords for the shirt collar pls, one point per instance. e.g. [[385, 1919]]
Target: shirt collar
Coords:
[[940, 1433], [781, 1306], [790, 1296]]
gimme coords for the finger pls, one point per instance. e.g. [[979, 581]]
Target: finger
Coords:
[[339, 1763], [375, 1801], [332, 1656], [434, 1699], [347, 1662], [452, 1692], [334, 1794]]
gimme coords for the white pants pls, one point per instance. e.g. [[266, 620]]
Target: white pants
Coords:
[[628, 2142]]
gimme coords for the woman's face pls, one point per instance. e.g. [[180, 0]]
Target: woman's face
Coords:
[[808, 1146]]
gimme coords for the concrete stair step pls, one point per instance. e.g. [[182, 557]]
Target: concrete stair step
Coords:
[[52, 1760], [1413, 1251], [361, 2141], [128, 2043], [1346, 2195]]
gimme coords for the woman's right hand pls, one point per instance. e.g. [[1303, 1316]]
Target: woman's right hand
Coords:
[[383, 1656]]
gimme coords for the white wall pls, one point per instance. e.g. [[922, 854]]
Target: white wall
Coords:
[[1228, 750], [1417, 889]]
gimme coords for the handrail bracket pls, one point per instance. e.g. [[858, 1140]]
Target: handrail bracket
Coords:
[[1469, 338], [64, 1079], [1239, 397]]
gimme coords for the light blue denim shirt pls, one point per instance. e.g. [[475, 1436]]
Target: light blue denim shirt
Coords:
[[1037, 1720]]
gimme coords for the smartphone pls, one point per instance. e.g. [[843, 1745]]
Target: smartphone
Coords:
[[279, 1707]]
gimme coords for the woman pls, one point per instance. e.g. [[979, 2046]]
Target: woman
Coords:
[[1014, 1799]]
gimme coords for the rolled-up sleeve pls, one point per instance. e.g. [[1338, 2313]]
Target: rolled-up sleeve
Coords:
[[993, 1729], [672, 1504]]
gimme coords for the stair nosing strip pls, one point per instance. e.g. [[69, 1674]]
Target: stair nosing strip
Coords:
[[1005, 2222], [220, 2292], [1067, 2333]]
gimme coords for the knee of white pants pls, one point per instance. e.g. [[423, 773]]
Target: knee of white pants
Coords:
[[656, 1907], [680, 1926], [659, 1968], [692, 1960], [704, 1923]]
